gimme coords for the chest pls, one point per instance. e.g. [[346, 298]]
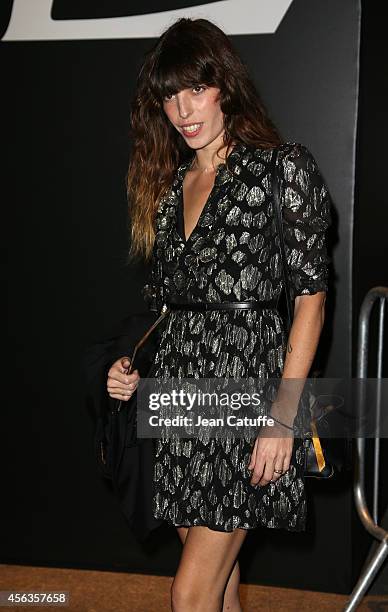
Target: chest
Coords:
[[214, 232], [196, 190]]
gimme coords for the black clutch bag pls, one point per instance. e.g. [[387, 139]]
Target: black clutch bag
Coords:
[[325, 455]]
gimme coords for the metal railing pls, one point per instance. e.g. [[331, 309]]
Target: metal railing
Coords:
[[370, 521]]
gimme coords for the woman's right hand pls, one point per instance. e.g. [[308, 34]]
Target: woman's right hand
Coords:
[[120, 385]]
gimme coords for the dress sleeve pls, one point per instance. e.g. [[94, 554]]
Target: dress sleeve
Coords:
[[306, 208]]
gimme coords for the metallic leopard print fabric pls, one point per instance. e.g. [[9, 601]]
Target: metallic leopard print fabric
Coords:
[[233, 255]]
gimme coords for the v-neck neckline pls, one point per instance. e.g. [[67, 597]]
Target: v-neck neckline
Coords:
[[223, 175], [204, 208]]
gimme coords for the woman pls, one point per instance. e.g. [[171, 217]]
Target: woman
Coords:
[[199, 186]]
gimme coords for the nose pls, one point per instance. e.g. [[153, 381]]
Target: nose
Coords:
[[183, 104]]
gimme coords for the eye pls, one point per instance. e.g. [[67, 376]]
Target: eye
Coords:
[[197, 87], [168, 97]]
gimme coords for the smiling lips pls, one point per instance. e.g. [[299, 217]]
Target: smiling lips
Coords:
[[191, 130]]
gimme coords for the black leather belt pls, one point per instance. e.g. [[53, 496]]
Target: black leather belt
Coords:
[[253, 305]]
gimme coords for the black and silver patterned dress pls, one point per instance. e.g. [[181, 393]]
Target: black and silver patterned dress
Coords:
[[233, 255]]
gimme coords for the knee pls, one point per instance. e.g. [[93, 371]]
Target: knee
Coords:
[[182, 596], [187, 597]]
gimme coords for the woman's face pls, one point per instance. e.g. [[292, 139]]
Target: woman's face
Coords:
[[196, 114]]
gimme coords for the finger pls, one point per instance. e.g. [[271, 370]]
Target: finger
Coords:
[[278, 465], [122, 389], [286, 463], [125, 362], [278, 468], [285, 457], [125, 371], [258, 470], [122, 396], [112, 383], [116, 375], [268, 474], [121, 365], [124, 379], [253, 456]]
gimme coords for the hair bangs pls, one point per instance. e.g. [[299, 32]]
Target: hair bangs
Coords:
[[179, 68]]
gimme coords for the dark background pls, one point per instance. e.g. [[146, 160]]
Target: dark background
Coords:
[[65, 133]]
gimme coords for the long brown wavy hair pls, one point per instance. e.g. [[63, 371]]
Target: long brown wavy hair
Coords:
[[190, 52]]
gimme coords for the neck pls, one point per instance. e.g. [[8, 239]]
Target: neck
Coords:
[[207, 159]]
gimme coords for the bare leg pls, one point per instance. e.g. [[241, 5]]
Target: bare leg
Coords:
[[231, 601], [206, 564]]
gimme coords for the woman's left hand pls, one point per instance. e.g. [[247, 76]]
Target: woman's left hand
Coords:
[[270, 454]]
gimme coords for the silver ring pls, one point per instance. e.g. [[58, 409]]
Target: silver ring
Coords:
[[278, 471]]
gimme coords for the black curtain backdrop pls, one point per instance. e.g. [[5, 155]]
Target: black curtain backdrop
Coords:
[[370, 253], [65, 126]]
